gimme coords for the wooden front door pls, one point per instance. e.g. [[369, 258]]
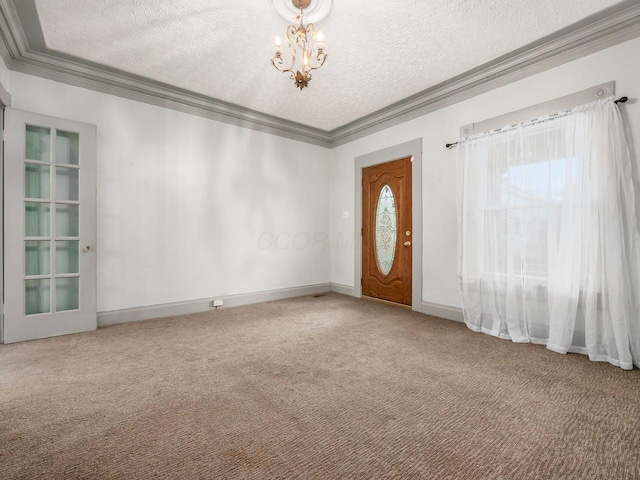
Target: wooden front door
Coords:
[[387, 231]]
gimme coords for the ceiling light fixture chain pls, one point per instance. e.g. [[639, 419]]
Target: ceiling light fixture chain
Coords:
[[304, 39]]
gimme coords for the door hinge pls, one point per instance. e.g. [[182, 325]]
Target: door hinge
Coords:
[[361, 232]]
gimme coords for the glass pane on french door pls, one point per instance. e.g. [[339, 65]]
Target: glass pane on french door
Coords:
[[49, 226], [51, 271]]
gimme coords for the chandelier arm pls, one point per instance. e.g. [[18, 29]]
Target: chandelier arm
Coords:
[[320, 57], [291, 31], [277, 61], [310, 30], [309, 35]]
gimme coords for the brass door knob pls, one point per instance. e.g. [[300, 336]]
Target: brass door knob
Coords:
[[407, 244]]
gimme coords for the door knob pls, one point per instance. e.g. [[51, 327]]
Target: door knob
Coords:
[[87, 248], [407, 244]]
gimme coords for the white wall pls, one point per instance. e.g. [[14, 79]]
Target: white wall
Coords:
[[5, 75], [190, 208], [440, 237]]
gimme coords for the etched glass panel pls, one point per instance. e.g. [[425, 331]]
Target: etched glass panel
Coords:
[[386, 229], [38, 143]]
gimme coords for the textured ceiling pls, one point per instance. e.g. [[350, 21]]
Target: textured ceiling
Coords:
[[379, 52]]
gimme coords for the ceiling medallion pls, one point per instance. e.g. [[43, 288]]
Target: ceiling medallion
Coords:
[[304, 42]]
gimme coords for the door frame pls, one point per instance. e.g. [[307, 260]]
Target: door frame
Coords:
[[412, 148], [5, 102]]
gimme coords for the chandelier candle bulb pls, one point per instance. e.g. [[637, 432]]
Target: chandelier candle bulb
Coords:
[[320, 42]]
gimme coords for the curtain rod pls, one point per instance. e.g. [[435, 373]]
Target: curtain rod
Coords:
[[620, 100]]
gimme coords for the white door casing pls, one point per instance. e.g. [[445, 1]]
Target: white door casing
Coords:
[[412, 148]]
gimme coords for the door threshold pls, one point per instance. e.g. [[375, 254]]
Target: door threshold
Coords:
[[387, 302]]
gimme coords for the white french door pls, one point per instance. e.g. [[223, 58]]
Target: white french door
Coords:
[[49, 226]]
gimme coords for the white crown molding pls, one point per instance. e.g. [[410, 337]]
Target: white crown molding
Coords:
[[23, 50], [596, 32]]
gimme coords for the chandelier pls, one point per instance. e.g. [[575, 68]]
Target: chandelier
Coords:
[[305, 44]]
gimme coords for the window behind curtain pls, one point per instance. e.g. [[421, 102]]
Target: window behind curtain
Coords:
[[528, 185], [549, 249]]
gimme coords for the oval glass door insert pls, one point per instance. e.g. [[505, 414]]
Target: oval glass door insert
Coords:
[[386, 229]]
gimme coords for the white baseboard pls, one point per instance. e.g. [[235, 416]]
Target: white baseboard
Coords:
[[343, 289], [437, 310], [443, 311], [125, 315]]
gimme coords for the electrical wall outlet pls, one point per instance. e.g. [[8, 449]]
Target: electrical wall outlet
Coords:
[[216, 303]]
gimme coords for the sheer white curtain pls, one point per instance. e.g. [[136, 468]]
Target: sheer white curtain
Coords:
[[549, 250]]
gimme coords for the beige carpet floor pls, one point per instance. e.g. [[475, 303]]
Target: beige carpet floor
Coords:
[[325, 387]]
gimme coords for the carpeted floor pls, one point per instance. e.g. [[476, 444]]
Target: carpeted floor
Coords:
[[329, 387]]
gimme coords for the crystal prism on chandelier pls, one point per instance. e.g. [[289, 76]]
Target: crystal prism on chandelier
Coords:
[[305, 44]]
